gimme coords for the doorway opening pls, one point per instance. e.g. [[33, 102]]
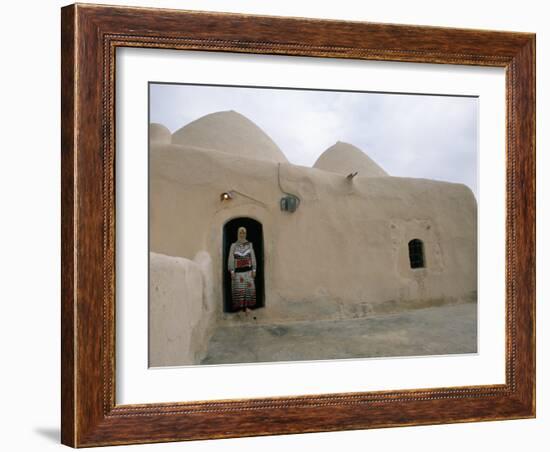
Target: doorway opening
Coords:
[[254, 234]]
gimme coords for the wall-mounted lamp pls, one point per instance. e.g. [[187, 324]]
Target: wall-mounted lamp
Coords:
[[289, 203], [350, 176], [226, 196]]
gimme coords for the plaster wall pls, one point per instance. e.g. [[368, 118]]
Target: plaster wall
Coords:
[[342, 254], [181, 314]]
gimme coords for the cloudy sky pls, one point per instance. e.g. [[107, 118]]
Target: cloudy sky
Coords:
[[432, 137]]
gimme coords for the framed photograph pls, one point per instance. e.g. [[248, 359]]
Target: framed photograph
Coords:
[[281, 225]]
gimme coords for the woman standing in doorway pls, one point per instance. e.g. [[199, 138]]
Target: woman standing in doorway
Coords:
[[242, 266]]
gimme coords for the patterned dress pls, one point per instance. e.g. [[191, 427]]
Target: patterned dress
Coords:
[[242, 261]]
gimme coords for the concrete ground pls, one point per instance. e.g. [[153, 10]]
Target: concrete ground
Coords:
[[439, 330]]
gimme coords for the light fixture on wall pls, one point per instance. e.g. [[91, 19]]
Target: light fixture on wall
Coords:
[[230, 194], [289, 202], [226, 196]]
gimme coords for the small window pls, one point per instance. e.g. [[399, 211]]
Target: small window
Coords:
[[416, 253]]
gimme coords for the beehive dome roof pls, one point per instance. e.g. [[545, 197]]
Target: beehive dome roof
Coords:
[[231, 132], [344, 158], [159, 134]]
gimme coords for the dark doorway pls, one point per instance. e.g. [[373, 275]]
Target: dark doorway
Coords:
[[254, 234]]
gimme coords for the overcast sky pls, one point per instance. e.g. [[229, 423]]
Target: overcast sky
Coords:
[[433, 137]]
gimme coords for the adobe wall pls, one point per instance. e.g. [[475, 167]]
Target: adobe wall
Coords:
[[181, 309], [342, 254]]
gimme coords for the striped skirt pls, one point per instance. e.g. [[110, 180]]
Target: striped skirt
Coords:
[[243, 291]]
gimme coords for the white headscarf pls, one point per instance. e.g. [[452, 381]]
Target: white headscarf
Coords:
[[239, 240]]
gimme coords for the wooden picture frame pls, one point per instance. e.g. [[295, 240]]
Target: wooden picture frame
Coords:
[[90, 36]]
